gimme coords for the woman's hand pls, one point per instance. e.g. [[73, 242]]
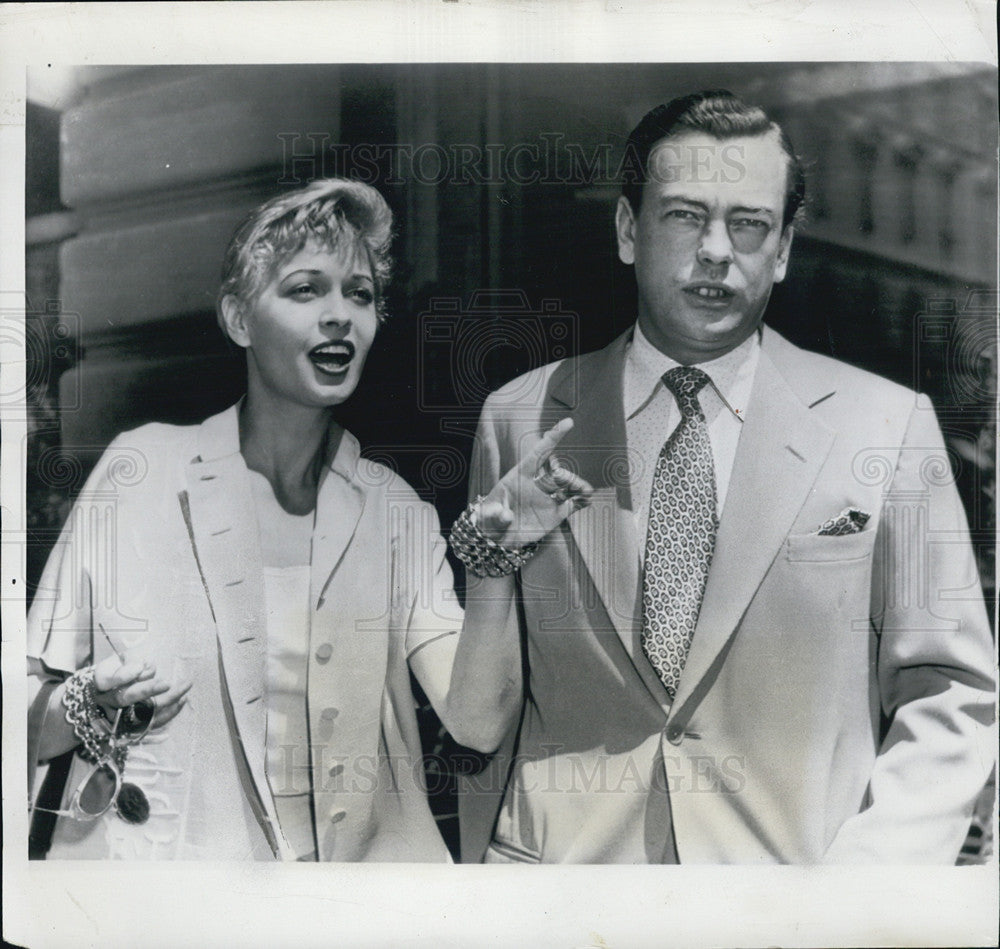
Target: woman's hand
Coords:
[[120, 684], [535, 496]]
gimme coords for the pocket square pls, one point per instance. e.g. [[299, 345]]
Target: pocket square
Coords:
[[849, 521]]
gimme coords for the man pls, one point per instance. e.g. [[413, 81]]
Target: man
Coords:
[[763, 641]]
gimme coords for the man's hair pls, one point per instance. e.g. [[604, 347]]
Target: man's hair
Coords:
[[714, 112], [339, 215]]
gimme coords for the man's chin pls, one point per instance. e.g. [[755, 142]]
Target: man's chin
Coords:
[[725, 330], [713, 341]]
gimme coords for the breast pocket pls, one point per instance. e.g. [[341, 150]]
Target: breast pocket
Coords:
[[826, 548]]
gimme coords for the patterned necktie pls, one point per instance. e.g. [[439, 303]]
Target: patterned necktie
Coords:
[[681, 536]]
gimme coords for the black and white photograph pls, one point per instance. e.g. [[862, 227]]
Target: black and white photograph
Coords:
[[554, 492]]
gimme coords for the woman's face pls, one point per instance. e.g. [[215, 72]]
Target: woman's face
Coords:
[[310, 329]]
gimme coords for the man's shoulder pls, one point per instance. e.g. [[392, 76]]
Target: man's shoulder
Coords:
[[525, 391], [536, 387], [815, 376]]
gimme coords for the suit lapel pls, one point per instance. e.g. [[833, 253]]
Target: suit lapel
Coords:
[[591, 387], [219, 511], [781, 450]]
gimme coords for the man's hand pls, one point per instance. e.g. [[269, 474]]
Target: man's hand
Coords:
[[535, 496]]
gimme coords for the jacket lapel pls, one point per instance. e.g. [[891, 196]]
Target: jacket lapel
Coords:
[[219, 512], [339, 505], [781, 450], [591, 388]]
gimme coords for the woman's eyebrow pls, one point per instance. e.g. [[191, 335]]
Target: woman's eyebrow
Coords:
[[302, 271]]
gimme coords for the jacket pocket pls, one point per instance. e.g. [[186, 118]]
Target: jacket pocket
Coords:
[[824, 548]]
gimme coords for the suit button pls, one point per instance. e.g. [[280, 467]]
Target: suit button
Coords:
[[335, 770], [337, 816], [675, 734], [329, 714], [324, 652]]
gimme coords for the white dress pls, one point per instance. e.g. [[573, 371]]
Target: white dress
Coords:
[[286, 541]]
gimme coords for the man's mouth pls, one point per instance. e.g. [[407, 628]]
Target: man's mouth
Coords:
[[332, 358], [709, 292]]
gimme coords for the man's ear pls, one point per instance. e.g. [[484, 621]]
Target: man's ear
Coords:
[[234, 319], [625, 229], [784, 251]]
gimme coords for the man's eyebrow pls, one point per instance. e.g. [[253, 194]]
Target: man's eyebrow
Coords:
[[744, 210], [739, 209], [683, 199]]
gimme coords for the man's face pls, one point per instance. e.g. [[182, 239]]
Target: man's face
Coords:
[[707, 243]]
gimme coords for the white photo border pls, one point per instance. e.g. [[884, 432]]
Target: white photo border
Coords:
[[55, 904]]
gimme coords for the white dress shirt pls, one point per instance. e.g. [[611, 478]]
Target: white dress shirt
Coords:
[[652, 414]]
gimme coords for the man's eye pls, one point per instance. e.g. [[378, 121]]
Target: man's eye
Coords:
[[683, 216], [750, 223]]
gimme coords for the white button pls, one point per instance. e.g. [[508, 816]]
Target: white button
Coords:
[[324, 652]]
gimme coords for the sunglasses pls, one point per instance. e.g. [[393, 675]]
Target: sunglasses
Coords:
[[102, 786]]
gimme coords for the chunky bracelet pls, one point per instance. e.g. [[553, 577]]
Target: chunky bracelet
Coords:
[[481, 555], [105, 748], [82, 712]]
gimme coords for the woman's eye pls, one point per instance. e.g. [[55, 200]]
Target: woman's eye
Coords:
[[304, 291], [363, 295]]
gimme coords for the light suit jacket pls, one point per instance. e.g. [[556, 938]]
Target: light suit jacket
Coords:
[[837, 698], [163, 549]]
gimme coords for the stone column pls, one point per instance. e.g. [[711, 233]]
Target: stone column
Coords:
[[159, 165]]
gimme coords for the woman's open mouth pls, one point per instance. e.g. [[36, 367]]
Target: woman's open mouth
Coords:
[[332, 358]]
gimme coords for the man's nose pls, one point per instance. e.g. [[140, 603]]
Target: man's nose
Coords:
[[715, 246]]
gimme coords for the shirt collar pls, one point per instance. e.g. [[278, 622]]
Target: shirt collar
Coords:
[[645, 366]]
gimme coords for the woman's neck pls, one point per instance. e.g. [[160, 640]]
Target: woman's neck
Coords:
[[285, 443]]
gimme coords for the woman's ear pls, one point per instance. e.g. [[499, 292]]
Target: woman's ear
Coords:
[[234, 318]]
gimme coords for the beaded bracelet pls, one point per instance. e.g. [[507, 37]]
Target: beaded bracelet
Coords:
[[481, 555], [82, 711]]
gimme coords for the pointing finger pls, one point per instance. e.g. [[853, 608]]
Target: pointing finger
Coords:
[[547, 443]]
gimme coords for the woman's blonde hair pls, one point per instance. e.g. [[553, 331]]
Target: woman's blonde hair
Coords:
[[335, 213]]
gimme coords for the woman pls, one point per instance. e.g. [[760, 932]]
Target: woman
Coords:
[[256, 592]]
